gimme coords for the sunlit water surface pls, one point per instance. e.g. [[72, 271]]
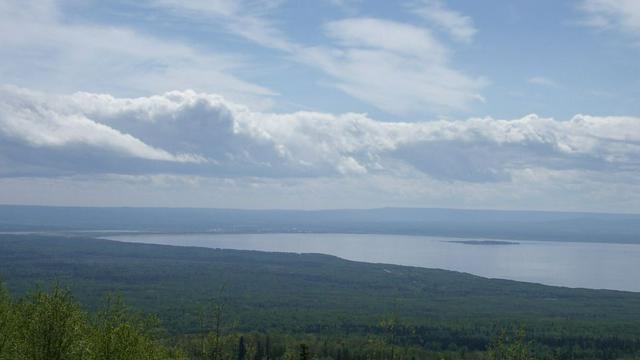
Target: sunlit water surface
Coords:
[[572, 264]]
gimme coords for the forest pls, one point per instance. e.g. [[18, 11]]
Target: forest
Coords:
[[51, 325], [113, 300]]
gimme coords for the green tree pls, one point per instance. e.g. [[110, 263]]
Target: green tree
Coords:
[[259, 354], [218, 304], [242, 350], [509, 346], [118, 334], [52, 327], [7, 326], [304, 352]]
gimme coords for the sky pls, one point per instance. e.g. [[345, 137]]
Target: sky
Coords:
[[531, 105]]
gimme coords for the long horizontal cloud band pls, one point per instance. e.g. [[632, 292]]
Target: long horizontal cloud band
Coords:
[[203, 134]]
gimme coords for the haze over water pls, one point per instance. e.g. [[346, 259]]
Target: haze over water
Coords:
[[572, 264]]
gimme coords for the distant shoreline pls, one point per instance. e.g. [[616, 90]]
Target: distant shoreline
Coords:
[[484, 242]]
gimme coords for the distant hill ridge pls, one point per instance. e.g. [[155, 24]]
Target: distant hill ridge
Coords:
[[494, 224]]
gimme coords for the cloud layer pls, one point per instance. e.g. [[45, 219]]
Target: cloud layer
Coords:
[[44, 48], [620, 15], [400, 61], [459, 26], [185, 132], [398, 67]]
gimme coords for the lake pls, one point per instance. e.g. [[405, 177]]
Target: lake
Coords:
[[572, 264]]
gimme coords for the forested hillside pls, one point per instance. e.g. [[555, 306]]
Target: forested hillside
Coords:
[[323, 301]]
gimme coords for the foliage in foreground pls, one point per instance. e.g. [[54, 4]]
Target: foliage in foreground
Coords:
[[52, 326]]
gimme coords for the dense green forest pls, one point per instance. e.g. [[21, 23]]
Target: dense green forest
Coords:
[[52, 326], [215, 304]]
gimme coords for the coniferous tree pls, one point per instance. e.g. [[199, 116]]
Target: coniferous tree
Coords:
[[304, 352], [259, 355], [242, 350], [267, 347], [7, 326]]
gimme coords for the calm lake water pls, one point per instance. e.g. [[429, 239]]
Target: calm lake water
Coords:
[[587, 265]]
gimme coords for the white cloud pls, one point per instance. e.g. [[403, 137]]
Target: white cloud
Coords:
[[543, 81], [459, 26], [193, 148], [240, 17], [397, 67], [41, 49], [206, 135], [386, 35], [32, 119], [184, 148], [620, 15]]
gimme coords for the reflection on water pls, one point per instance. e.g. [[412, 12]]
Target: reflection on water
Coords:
[[588, 265]]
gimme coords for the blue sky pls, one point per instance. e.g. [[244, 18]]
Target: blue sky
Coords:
[[527, 56], [275, 103]]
